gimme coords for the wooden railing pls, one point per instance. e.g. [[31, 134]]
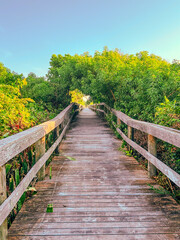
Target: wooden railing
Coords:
[[17, 143], [154, 131]]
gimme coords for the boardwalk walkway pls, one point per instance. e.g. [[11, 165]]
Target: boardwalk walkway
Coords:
[[103, 194]]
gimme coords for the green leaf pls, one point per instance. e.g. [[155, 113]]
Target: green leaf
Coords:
[[50, 172], [49, 208], [17, 179], [70, 158], [31, 189], [8, 168], [11, 184]]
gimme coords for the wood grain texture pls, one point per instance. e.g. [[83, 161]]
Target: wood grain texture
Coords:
[[152, 149], [3, 195], [101, 194]]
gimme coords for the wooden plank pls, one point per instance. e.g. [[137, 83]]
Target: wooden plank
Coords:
[[85, 219], [101, 236], [110, 224], [97, 231]]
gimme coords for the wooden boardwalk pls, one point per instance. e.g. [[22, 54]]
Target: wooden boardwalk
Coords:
[[103, 194]]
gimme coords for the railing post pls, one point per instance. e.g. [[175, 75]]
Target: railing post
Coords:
[[56, 135], [107, 110], [118, 121], [39, 152], [3, 196], [152, 148], [65, 121], [104, 113], [130, 136]]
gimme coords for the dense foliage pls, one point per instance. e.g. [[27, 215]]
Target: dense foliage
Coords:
[[134, 84], [13, 113], [44, 92], [143, 86], [18, 112]]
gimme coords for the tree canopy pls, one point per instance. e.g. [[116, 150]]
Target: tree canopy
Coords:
[[144, 86], [134, 84]]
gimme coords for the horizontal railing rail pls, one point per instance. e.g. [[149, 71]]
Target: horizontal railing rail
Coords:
[[13, 145], [154, 132]]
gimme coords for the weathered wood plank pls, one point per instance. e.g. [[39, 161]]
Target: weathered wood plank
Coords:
[[104, 237], [96, 231]]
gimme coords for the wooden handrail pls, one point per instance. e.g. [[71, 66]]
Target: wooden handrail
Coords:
[[17, 143], [166, 134], [154, 131]]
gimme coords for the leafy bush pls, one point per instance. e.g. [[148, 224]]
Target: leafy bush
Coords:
[[14, 116], [168, 114]]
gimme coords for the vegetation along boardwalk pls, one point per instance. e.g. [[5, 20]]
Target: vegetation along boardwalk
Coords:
[[97, 192]]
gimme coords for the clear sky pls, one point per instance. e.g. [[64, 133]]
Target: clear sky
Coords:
[[32, 30]]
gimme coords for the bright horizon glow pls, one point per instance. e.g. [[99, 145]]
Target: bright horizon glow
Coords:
[[31, 31]]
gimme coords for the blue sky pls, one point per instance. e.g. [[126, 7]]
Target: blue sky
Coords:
[[32, 30]]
